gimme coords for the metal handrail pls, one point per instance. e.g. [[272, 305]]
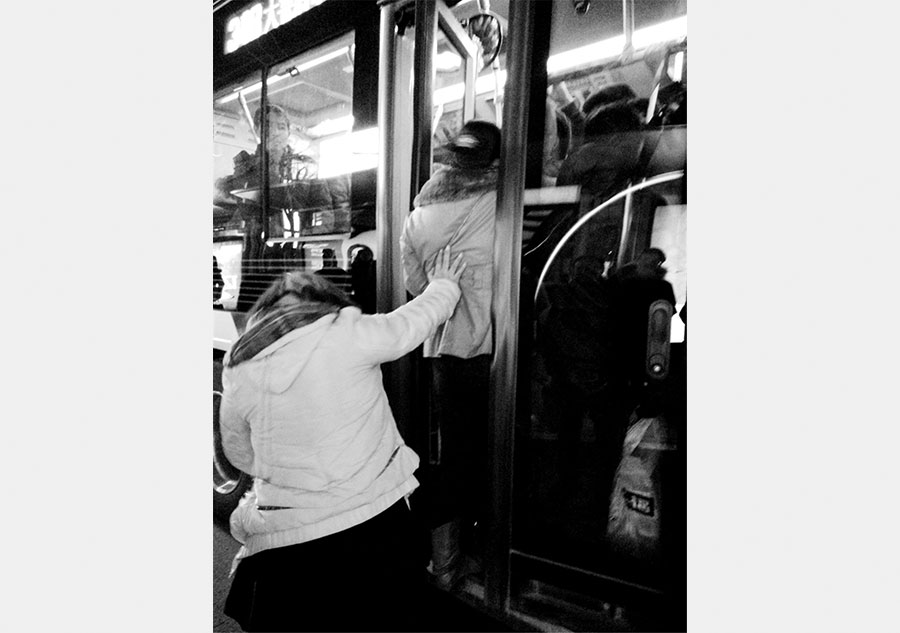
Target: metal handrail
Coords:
[[656, 180]]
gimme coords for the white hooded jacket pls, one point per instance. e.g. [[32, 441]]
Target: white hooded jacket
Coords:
[[309, 419]]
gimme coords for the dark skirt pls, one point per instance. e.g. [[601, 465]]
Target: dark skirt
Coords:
[[365, 578]]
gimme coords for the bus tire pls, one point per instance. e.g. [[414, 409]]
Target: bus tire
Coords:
[[229, 483]]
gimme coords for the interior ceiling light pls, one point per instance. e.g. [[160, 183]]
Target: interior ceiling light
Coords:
[[323, 58], [293, 71], [589, 55], [245, 91], [612, 47], [331, 126], [447, 61]]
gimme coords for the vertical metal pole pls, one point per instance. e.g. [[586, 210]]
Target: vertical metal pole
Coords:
[[507, 256], [426, 35], [385, 269], [628, 25], [626, 232], [628, 50], [391, 210], [264, 153], [471, 65]]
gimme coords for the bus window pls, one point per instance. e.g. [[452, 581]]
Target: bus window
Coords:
[[234, 142], [227, 259], [598, 475], [449, 84], [316, 183]]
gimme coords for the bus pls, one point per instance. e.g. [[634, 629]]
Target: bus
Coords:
[[352, 102]]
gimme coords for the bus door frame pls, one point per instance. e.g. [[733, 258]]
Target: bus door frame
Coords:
[[507, 282], [399, 181], [394, 202]]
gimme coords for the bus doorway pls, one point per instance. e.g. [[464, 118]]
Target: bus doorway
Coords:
[[587, 433]]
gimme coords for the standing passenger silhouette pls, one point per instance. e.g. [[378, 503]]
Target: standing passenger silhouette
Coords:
[[334, 273], [457, 207]]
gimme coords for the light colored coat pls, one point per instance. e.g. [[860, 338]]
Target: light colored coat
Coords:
[[309, 419], [458, 211]]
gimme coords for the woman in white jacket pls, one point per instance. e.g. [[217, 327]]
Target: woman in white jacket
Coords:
[[328, 540]]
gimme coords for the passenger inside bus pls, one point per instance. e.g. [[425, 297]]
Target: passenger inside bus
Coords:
[[218, 282], [298, 203], [279, 155], [576, 339], [592, 320], [362, 277], [592, 335], [456, 207], [332, 272], [610, 155]]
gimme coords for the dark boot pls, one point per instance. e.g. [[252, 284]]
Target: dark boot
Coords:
[[446, 555]]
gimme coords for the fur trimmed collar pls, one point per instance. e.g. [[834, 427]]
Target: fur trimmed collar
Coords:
[[449, 184]]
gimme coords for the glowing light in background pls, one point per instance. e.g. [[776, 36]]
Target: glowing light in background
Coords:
[[589, 55], [612, 47], [348, 153]]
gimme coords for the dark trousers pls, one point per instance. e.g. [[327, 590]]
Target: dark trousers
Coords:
[[365, 578], [460, 407]]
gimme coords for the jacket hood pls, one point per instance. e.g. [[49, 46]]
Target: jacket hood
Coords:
[[289, 355], [449, 184]]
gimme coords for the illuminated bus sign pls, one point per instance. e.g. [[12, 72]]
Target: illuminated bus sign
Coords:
[[260, 18]]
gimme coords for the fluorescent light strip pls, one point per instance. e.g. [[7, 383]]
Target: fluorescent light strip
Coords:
[[583, 56], [447, 60], [332, 126], [455, 92], [612, 47], [234, 95], [347, 153], [324, 58], [276, 78], [662, 32], [678, 71], [558, 63]]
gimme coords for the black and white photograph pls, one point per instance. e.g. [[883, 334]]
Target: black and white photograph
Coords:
[[452, 386], [450, 315]]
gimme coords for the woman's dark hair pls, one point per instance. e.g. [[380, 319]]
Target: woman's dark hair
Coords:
[[476, 145], [307, 287], [616, 117]]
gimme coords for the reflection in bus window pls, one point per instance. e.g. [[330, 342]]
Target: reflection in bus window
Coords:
[[598, 476], [291, 171], [333, 272], [362, 277]]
